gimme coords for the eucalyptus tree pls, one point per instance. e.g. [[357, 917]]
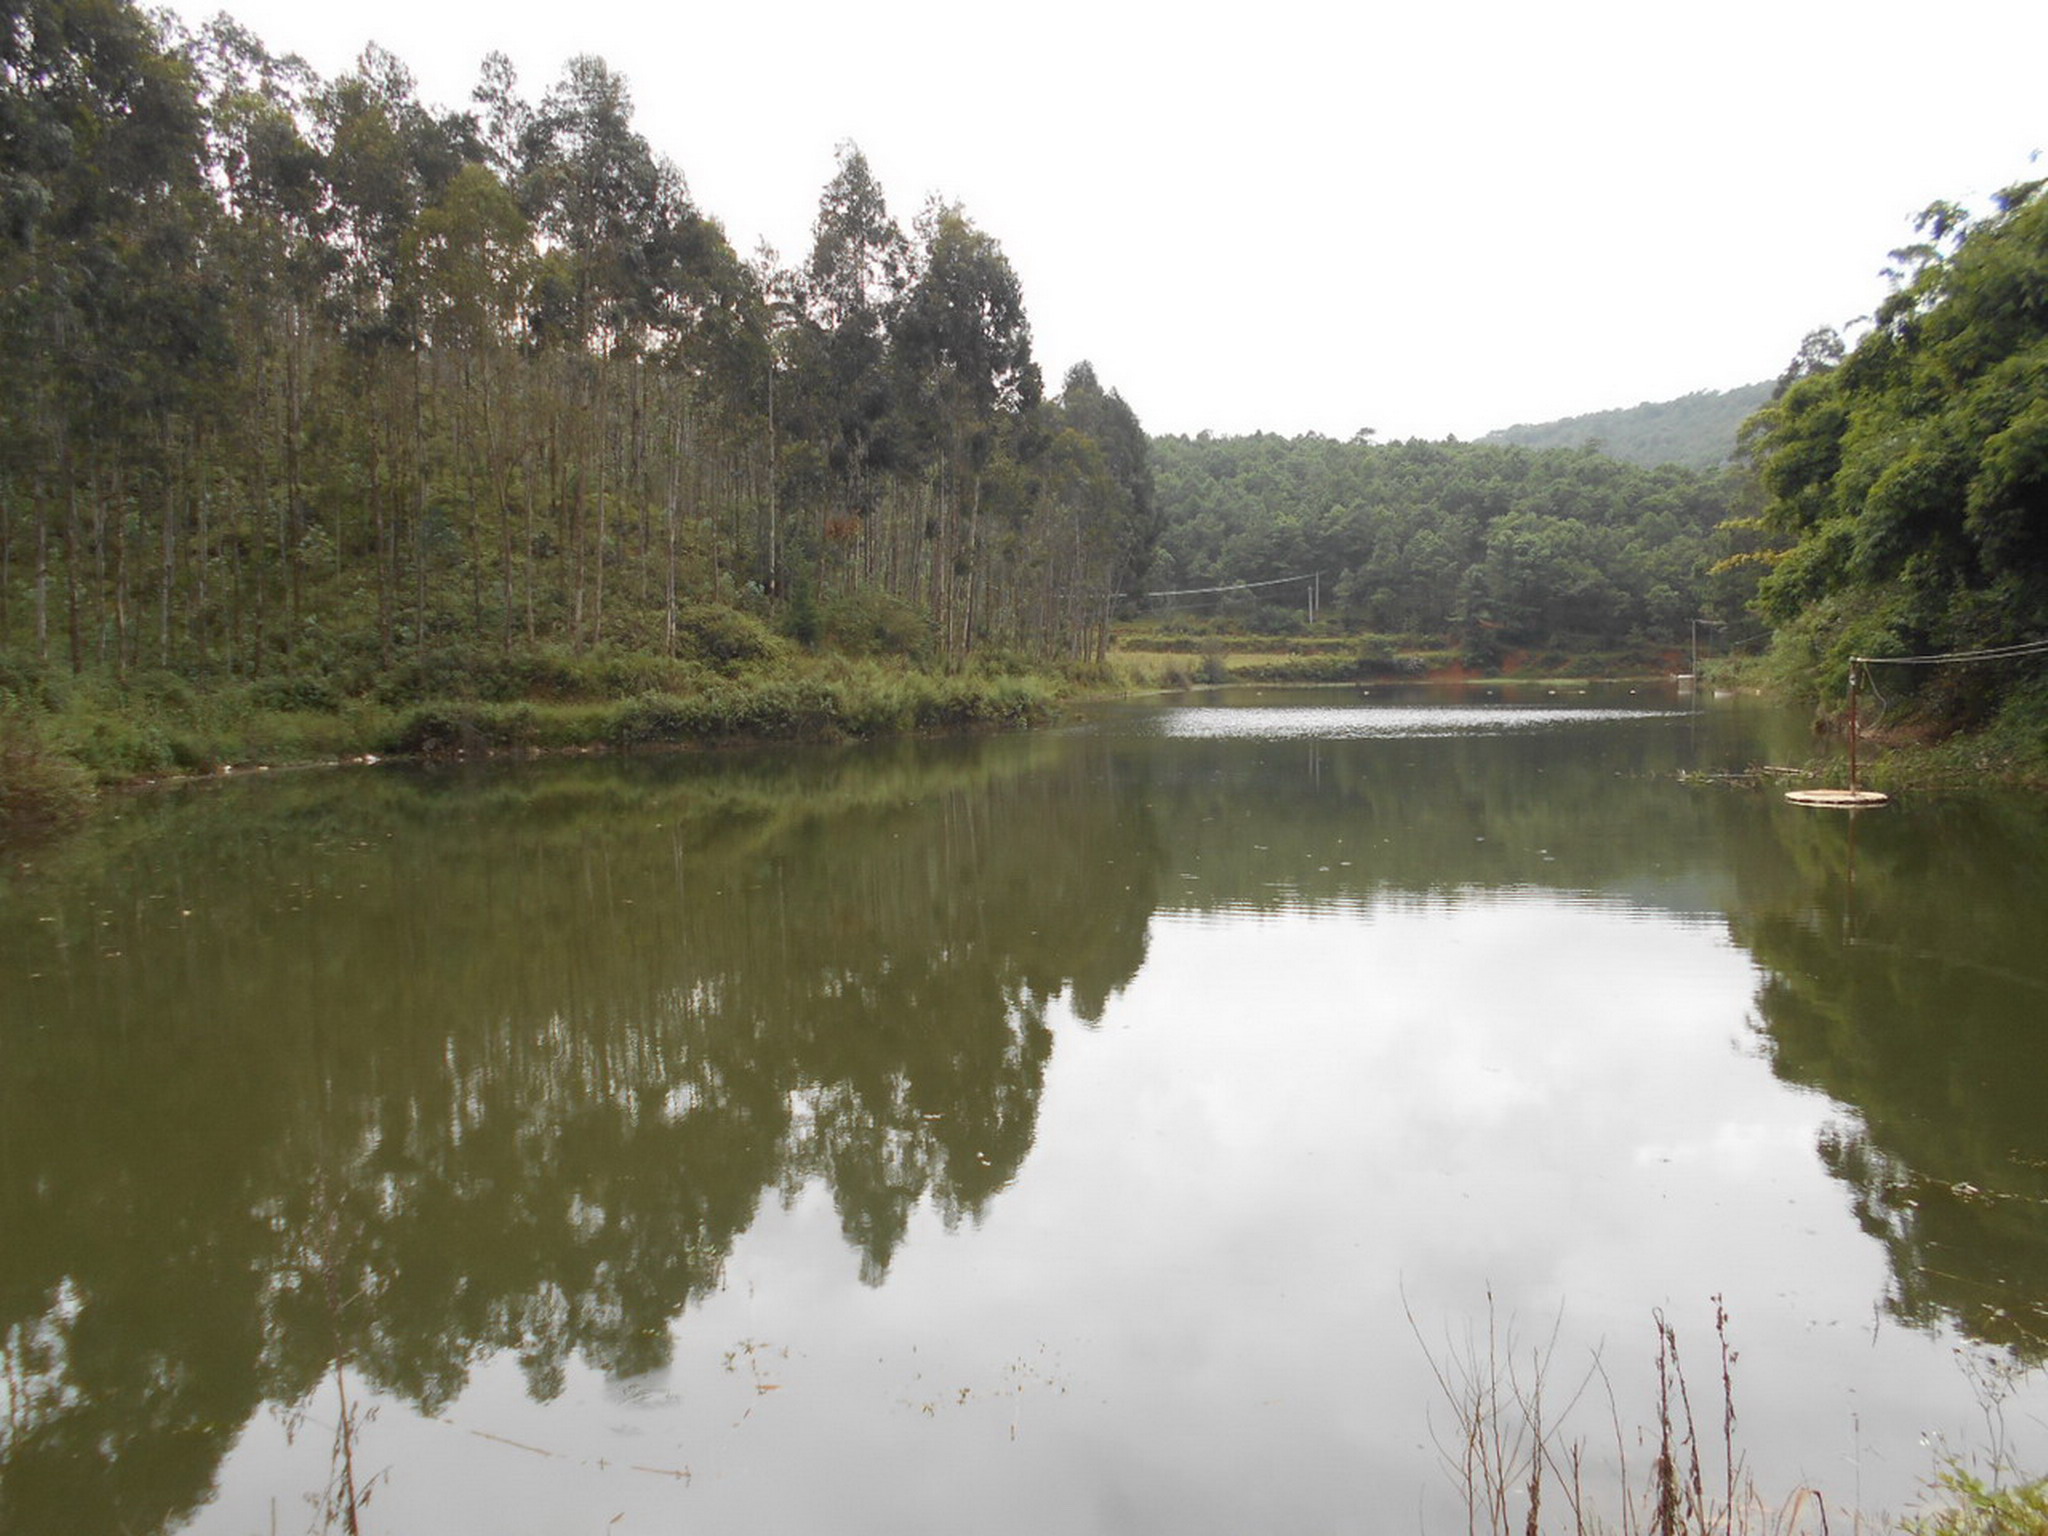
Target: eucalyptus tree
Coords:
[[108, 311], [386, 159], [1132, 515], [363, 374], [852, 295], [274, 234], [630, 269], [963, 346], [471, 253]]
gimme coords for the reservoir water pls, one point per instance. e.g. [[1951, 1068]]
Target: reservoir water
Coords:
[[1128, 1127]]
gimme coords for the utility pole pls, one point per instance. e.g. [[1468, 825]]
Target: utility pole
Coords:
[[1696, 623]]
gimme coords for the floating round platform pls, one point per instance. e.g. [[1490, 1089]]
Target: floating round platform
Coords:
[[1839, 799]]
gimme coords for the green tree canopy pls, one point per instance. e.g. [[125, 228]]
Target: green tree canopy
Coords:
[[1909, 475]]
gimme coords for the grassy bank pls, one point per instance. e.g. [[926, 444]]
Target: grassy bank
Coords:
[[1963, 733], [65, 738], [2010, 747], [1183, 661]]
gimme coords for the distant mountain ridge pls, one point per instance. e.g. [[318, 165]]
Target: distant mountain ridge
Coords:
[[1695, 430]]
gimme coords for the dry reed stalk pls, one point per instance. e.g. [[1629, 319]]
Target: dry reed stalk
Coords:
[[1509, 1452], [1728, 1460]]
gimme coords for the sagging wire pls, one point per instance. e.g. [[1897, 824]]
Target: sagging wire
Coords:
[[2019, 650], [1992, 653], [1870, 682]]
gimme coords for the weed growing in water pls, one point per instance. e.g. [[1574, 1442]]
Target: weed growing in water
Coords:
[[1521, 1473]]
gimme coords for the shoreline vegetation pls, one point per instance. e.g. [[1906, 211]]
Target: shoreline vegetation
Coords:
[[65, 739], [342, 423]]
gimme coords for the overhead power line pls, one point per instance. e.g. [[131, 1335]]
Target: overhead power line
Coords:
[[1235, 586], [1994, 653]]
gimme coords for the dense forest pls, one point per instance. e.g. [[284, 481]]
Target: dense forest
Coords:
[[306, 376], [315, 393], [1494, 546], [1698, 430], [1906, 479]]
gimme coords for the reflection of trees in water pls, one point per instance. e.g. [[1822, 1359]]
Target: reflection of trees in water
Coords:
[[423, 1077], [1588, 808], [1906, 976], [1907, 979], [505, 1062]]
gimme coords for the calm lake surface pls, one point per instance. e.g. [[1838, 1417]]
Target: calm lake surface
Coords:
[[1111, 1129]]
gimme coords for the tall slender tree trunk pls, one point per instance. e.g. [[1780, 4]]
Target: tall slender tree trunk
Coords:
[[117, 509], [7, 562], [202, 555], [527, 555], [463, 454], [378, 515], [603, 536], [419, 510], [42, 576], [236, 601], [74, 616], [671, 513], [291, 531], [167, 572], [774, 505]]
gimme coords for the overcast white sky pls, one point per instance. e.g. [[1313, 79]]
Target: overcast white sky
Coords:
[[1427, 219]]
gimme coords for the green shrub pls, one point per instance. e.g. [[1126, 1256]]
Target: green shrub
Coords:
[[30, 682], [801, 619], [1265, 620], [40, 786], [462, 728], [545, 673], [295, 694], [723, 637], [884, 707], [624, 674], [117, 746], [659, 717], [1976, 1508], [874, 624]]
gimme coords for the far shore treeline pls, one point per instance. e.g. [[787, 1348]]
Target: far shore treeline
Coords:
[[332, 420]]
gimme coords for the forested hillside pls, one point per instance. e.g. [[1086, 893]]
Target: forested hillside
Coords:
[[1698, 430], [309, 376], [1907, 478], [317, 391], [1496, 546]]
